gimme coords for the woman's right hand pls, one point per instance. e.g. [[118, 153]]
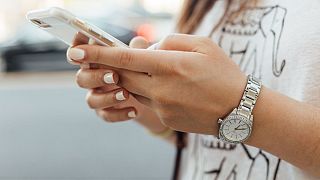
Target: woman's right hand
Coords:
[[113, 103]]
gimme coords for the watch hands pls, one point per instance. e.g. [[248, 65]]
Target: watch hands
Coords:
[[241, 129], [237, 128]]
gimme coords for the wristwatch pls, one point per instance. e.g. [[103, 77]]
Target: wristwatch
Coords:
[[237, 126]]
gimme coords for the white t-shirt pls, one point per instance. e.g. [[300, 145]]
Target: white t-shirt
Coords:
[[279, 42]]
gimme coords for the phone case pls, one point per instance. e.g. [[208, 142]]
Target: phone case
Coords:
[[71, 30]]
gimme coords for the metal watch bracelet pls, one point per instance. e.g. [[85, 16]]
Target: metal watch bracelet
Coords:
[[250, 96]]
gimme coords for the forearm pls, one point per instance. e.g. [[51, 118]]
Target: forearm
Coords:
[[288, 129]]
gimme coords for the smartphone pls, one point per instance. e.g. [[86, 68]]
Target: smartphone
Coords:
[[70, 29]]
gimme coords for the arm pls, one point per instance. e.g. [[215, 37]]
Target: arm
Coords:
[[288, 129], [191, 85]]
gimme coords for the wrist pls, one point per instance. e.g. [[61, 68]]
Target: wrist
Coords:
[[236, 127]]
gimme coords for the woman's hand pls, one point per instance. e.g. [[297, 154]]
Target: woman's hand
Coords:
[[111, 102], [189, 82]]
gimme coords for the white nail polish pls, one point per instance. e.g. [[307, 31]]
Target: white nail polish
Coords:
[[76, 54], [132, 114], [120, 96], [70, 61], [108, 78]]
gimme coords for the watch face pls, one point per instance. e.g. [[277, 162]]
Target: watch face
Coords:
[[235, 129]]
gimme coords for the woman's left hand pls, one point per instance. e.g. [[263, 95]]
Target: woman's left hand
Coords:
[[188, 81]]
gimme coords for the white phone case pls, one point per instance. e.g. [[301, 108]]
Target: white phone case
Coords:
[[70, 29]]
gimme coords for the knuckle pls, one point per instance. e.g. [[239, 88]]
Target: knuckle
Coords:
[[175, 68], [182, 68], [97, 77], [97, 54], [124, 58]]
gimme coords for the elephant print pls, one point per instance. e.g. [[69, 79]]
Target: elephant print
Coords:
[[245, 38], [255, 164]]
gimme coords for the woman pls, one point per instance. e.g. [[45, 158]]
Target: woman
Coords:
[[188, 83]]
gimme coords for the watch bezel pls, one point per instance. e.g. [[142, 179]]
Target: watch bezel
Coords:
[[231, 117]]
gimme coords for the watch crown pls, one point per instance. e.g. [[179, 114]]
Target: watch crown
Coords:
[[220, 121]]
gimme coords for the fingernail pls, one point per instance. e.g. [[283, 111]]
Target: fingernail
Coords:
[[76, 54], [70, 61], [120, 96], [132, 114], [108, 78]]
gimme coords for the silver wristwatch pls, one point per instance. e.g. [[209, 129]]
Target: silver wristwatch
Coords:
[[237, 126]]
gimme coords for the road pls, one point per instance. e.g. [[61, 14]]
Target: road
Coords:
[[47, 132]]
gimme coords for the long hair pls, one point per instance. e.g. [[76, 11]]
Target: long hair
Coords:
[[193, 11]]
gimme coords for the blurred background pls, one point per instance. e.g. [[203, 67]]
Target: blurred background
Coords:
[[46, 129]]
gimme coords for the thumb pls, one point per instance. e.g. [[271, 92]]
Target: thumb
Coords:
[[139, 43]]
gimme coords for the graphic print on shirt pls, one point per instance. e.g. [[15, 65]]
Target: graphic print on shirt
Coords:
[[249, 39], [246, 37], [253, 164]]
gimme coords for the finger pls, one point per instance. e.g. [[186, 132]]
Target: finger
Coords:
[[117, 115], [79, 39], [69, 60], [93, 78], [185, 42], [139, 43], [140, 60], [106, 100], [135, 82], [143, 100], [96, 66], [138, 83], [128, 103], [105, 89]]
